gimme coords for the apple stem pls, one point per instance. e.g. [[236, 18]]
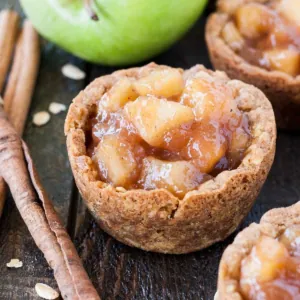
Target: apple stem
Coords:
[[89, 9]]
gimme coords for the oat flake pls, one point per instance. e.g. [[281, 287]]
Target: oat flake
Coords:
[[41, 118], [55, 108], [46, 292], [15, 263], [72, 72]]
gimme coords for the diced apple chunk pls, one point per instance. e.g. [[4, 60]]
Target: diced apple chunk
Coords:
[[116, 160], [207, 161], [239, 142], [161, 83], [177, 177], [276, 38], [287, 60], [120, 93], [265, 263], [155, 117], [206, 150], [290, 9], [215, 105], [232, 36], [253, 20], [195, 90], [209, 101], [273, 257]]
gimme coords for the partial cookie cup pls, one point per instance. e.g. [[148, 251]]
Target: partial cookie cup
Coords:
[[156, 220], [281, 89], [272, 224]]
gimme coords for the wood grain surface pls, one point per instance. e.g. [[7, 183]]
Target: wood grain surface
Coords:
[[118, 271]]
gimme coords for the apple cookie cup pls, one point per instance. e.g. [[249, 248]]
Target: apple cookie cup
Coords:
[[263, 261], [238, 29], [161, 219]]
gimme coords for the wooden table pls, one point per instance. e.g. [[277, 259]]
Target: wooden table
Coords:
[[118, 271]]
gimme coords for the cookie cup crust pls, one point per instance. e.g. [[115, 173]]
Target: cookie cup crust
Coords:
[[156, 220], [272, 224], [281, 89]]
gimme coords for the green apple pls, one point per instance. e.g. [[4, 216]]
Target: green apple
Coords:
[[126, 32]]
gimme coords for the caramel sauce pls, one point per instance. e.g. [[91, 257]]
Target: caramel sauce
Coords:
[[143, 144], [272, 270]]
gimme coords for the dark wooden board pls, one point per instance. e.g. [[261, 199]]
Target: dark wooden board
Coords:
[[118, 271]]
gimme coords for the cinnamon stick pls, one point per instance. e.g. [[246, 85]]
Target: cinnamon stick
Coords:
[[40, 217], [14, 75], [9, 22], [20, 86]]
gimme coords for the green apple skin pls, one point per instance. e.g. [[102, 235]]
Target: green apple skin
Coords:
[[127, 32]]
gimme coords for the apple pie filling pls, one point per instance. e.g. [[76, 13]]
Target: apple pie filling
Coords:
[[271, 271], [166, 129], [267, 35]]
